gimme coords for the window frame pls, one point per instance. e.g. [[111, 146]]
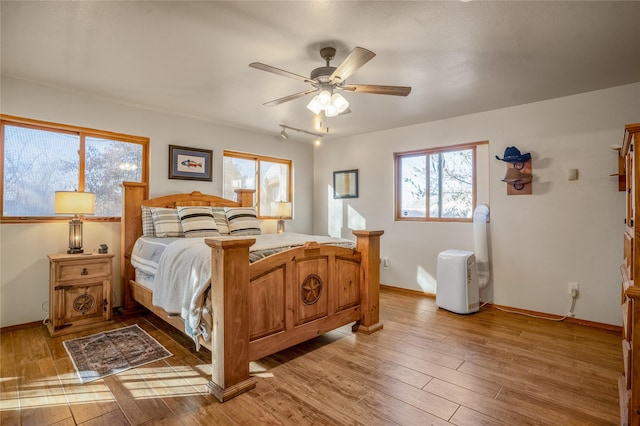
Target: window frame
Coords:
[[82, 133], [397, 156], [258, 158]]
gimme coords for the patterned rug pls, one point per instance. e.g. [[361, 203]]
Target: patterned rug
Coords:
[[112, 352]]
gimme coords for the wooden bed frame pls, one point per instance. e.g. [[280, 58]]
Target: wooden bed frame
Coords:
[[266, 306]]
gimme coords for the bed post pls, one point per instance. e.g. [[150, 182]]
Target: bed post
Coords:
[[368, 244], [133, 193], [245, 197], [230, 334]]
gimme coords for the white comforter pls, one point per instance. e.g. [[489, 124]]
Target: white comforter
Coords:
[[184, 274]]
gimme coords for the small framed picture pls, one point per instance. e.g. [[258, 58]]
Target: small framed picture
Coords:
[[190, 163], [345, 184]]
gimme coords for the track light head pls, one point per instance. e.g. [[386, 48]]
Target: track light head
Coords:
[[284, 134]]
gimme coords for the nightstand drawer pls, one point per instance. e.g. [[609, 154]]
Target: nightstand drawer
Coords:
[[75, 270]]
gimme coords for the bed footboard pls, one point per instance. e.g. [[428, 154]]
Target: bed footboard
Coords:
[[285, 299]]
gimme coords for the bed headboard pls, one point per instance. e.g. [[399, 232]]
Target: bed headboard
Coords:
[[135, 195]]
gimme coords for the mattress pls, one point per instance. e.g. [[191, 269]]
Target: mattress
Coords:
[[146, 254], [147, 251]]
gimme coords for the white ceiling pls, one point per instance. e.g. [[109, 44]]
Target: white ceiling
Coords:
[[191, 58]]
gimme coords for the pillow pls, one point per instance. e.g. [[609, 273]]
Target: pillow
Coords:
[[147, 222], [198, 221], [221, 220], [166, 222], [243, 221]]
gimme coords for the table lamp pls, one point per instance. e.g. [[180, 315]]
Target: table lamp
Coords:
[[75, 203], [283, 211]]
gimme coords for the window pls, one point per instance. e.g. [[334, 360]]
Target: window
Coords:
[[270, 177], [41, 158], [437, 184]]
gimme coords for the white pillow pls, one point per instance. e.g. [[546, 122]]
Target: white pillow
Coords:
[[166, 222], [148, 229], [221, 220], [243, 221], [198, 221]]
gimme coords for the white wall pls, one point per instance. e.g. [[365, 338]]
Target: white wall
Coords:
[[24, 247], [565, 231]]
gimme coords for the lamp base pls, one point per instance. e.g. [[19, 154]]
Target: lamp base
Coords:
[[75, 236], [280, 227]]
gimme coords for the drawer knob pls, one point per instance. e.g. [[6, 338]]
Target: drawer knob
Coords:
[[85, 271]]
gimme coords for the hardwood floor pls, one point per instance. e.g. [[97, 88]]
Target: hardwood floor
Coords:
[[426, 367]]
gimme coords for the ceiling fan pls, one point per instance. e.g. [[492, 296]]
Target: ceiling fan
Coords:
[[325, 80]]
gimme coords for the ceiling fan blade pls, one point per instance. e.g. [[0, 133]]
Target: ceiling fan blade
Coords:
[[289, 98], [269, 68], [357, 58], [378, 90]]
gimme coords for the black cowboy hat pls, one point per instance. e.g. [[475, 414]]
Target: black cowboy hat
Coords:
[[513, 155]]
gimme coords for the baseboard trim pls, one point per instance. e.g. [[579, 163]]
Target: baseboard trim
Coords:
[[394, 289], [576, 321], [11, 328], [407, 291], [568, 320], [15, 327]]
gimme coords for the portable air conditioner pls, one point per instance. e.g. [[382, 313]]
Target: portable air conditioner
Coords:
[[457, 282]]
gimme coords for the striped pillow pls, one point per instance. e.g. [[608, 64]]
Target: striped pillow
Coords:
[[198, 221], [166, 222], [147, 222], [221, 220], [243, 221]]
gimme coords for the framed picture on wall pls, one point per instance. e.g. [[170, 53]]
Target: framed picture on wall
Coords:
[[345, 184], [190, 163]]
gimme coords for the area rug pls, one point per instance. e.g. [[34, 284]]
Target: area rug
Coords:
[[112, 352]]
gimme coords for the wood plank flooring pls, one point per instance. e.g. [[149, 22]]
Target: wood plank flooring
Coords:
[[426, 367]]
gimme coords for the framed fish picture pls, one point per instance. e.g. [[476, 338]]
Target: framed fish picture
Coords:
[[190, 163]]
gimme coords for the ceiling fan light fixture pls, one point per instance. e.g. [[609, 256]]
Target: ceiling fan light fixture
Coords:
[[331, 104], [331, 111], [339, 102], [324, 98], [314, 106]]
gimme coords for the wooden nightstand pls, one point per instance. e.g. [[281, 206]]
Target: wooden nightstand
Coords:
[[79, 291]]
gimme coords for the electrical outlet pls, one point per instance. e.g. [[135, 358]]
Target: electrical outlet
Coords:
[[573, 288]]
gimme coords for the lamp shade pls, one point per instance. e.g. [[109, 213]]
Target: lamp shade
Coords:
[[339, 102], [283, 209], [74, 202], [314, 106]]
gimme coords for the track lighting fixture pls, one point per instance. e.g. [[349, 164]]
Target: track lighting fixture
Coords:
[[284, 134]]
